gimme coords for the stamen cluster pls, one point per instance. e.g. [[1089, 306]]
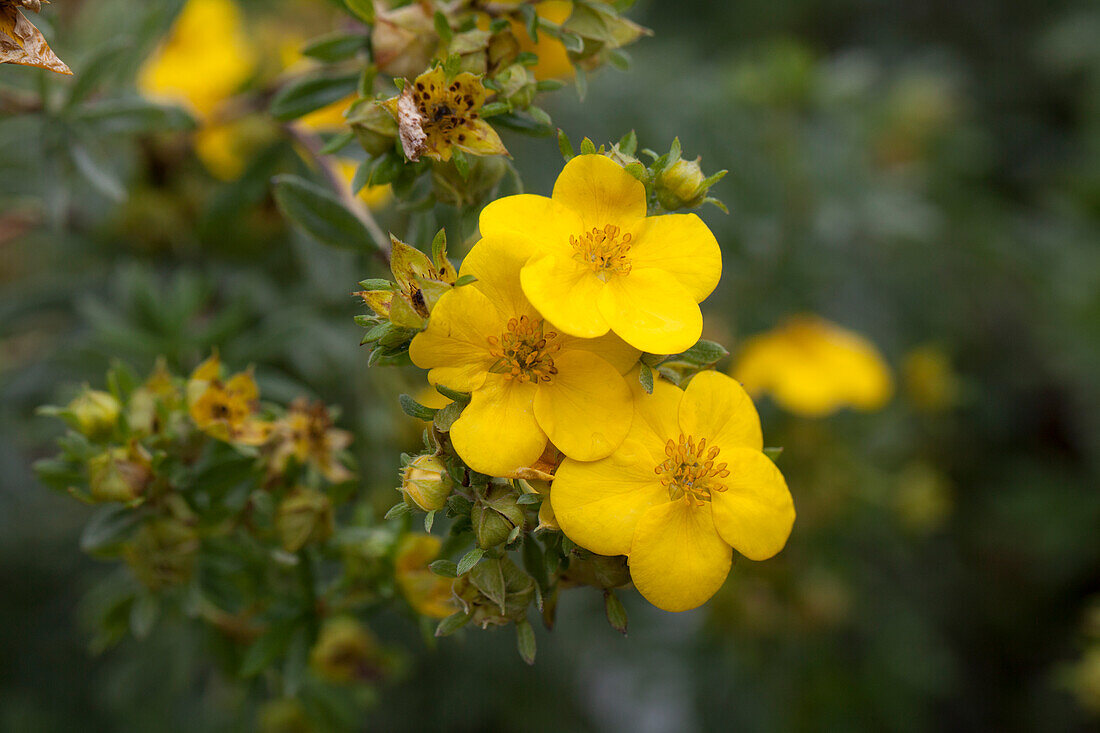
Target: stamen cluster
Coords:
[[446, 109], [603, 250], [690, 470], [525, 351]]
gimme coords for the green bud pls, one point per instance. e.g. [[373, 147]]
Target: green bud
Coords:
[[304, 516], [120, 474], [374, 127], [518, 86], [682, 185], [450, 187], [426, 483], [94, 413], [495, 592], [162, 553], [495, 515]]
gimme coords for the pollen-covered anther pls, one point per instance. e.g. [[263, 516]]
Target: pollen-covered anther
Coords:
[[690, 470], [524, 352], [603, 250]]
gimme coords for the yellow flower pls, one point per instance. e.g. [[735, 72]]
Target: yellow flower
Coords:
[[813, 367], [375, 197], [429, 594], [307, 434], [435, 115], [528, 382], [553, 60], [204, 60], [345, 652], [226, 410], [929, 379], [599, 263], [689, 482], [329, 118]]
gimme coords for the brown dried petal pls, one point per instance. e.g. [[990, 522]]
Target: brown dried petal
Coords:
[[22, 43], [410, 125]]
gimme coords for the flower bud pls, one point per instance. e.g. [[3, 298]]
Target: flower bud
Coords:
[[451, 188], [94, 413], [490, 602], [162, 553], [682, 185], [599, 571], [404, 39], [517, 86], [346, 652], [120, 474], [304, 516], [426, 483], [374, 127], [495, 515]]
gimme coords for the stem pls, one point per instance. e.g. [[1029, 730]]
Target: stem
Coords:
[[309, 586], [312, 144]]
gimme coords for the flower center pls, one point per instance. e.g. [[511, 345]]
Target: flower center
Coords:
[[690, 470], [525, 351], [603, 250], [445, 109]]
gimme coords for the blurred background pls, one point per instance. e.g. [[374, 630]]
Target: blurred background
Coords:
[[925, 175]]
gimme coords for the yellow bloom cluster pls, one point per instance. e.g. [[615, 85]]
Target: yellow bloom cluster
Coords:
[[566, 294]]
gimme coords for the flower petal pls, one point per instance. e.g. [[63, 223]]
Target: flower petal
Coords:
[[567, 294], [478, 138], [497, 432], [542, 221], [682, 246], [717, 408], [455, 346], [597, 504], [650, 310], [755, 513], [609, 347], [586, 408], [598, 189], [495, 262], [655, 415], [677, 559]]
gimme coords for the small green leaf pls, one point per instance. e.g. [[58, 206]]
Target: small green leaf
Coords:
[[645, 378], [320, 214], [306, 94], [628, 143], [445, 417], [143, 614], [452, 623], [337, 142], [335, 47], [439, 248], [773, 453], [429, 520], [525, 641], [377, 283], [412, 408], [587, 146], [565, 145], [362, 9], [469, 560], [529, 499], [461, 163], [453, 395], [398, 510], [703, 353], [492, 109], [444, 568], [443, 28], [616, 613], [465, 280]]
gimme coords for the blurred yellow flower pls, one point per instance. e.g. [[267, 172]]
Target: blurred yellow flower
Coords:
[[930, 382], [436, 115], [689, 482], [813, 367], [345, 652], [599, 264], [429, 594], [226, 410], [205, 58], [329, 118], [307, 434], [553, 60], [375, 197], [528, 382]]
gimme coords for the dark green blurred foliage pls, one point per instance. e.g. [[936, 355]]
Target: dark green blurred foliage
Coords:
[[917, 172]]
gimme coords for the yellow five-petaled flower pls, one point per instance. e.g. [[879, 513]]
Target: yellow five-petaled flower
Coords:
[[600, 264], [689, 482], [529, 382]]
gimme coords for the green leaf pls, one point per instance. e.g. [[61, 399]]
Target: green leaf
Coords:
[[377, 283], [773, 453], [398, 510], [446, 416], [128, 115], [103, 62], [335, 47], [616, 613], [306, 94], [143, 614], [645, 378], [320, 214], [361, 9], [439, 248], [628, 143], [461, 162], [565, 145], [525, 641], [264, 650], [337, 142], [429, 520], [488, 577], [587, 146], [442, 28], [297, 658], [96, 173], [452, 623], [453, 395], [412, 408], [444, 568], [492, 109], [529, 499], [109, 526], [465, 280], [469, 560], [703, 353]]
